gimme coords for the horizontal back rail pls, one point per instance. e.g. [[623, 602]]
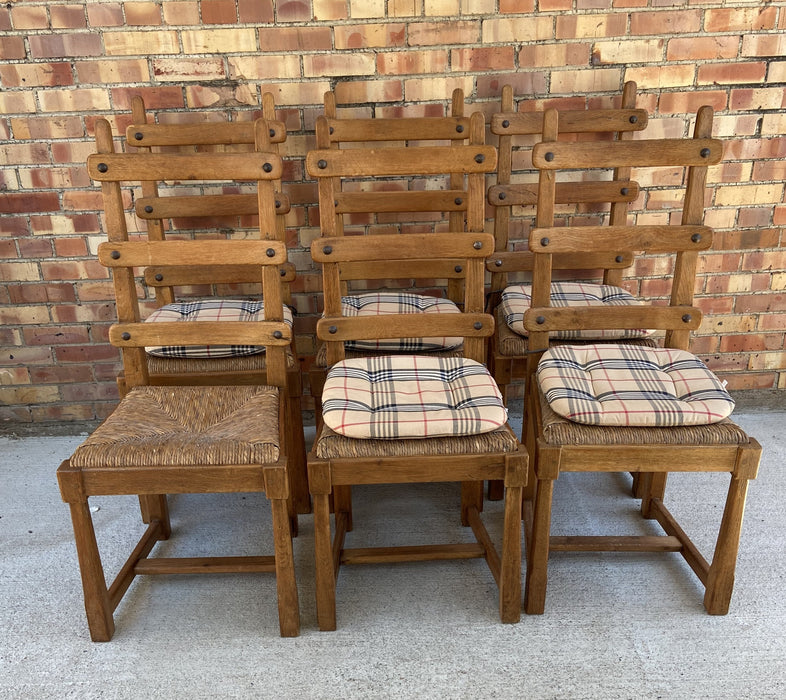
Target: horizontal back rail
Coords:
[[145, 167]]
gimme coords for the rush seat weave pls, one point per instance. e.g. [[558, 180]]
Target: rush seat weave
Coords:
[[378, 303], [211, 310], [626, 385], [411, 396], [186, 425], [517, 299]]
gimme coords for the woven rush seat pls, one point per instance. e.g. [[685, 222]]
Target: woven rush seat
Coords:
[[621, 385], [211, 310], [173, 365], [183, 426], [517, 299], [411, 396]]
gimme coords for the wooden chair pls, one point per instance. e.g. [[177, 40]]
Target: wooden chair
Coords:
[[511, 267], [185, 439], [172, 209], [617, 407], [397, 448], [358, 204]]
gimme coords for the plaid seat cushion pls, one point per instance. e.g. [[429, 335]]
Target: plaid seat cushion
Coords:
[[517, 299], [378, 303], [211, 310], [412, 396], [631, 385]]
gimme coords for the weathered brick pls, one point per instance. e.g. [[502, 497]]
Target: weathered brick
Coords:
[[73, 270], [442, 8], [428, 89], [574, 26], [528, 83], [117, 71], [361, 36], [354, 63], [509, 29], [457, 32], [293, 11], [41, 293], [740, 19], [668, 22], [730, 73], [27, 17], [19, 271], [562, 54], [295, 39], [411, 62], [30, 201], [574, 82], [17, 103], [659, 77], [256, 11], [74, 100], [36, 74], [61, 375], [63, 335], [219, 12], [133, 43], [12, 47], [703, 48], [67, 16], [757, 98], [188, 70], [375, 91], [62, 127], [366, 9], [746, 195], [109, 14], [140, 14], [628, 51], [405, 8], [689, 102], [65, 45]]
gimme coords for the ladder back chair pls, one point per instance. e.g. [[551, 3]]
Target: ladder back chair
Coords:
[[176, 210], [186, 439], [409, 203], [582, 278], [418, 433], [621, 407]]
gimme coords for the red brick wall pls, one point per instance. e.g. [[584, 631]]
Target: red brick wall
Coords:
[[64, 63]]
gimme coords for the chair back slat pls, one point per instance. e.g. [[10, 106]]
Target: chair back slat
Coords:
[[573, 121]]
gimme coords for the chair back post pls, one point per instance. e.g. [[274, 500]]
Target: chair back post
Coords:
[[504, 172], [686, 262], [619, 209], [126, 301]]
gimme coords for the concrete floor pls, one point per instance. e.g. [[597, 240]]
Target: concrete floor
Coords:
[[616, 626]]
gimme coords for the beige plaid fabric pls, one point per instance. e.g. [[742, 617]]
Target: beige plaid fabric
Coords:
[[631, 385], [411, 396]]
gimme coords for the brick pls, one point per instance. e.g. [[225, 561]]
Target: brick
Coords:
[[579, 82], [767, 360], [256, 11], [659, 77], [361, 36], [74, 100], [682, 102], [12, 47], [293, 11], [252, 68], [218, 12], [17, 103], [61, 375], [60, 127], [69, 45], [219, 41], [83, 313], [41, 293], [186, 70], [51, 335], [669, 22], [366, 9], [730, 73], [35, 247], [703, 48], [117, 71], [30, 201], [355, 63], [483, 59], [36, 74], [456, 32], [440, 8], [198, 96], [68, 16], [563, 54], [591, 26], [20, 315], [740, 19], [142, 14], [405, 8], [8, 249], [429, 89], [85, 353], [628, 51], [296, 39], [746, 195], [769, 170], [751, 342], [29, 394], [131, 43], [518, 6], [757, 99], [73, 270], [507, 30], [412, 62], [529, 83], [375, 91], [108, 14], [555, 5], [760, 303], [25, 17], [763, 45], [20, 271]]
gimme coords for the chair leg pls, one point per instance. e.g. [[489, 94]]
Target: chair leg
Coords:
[[652, 486], [156, 507], [97, 604], [286, 586], [296, 456], [538, 553], [325, 568], [471, 497], [510, 574], [720, 579]]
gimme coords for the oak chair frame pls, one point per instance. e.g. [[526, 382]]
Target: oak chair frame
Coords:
[[651, 459]]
